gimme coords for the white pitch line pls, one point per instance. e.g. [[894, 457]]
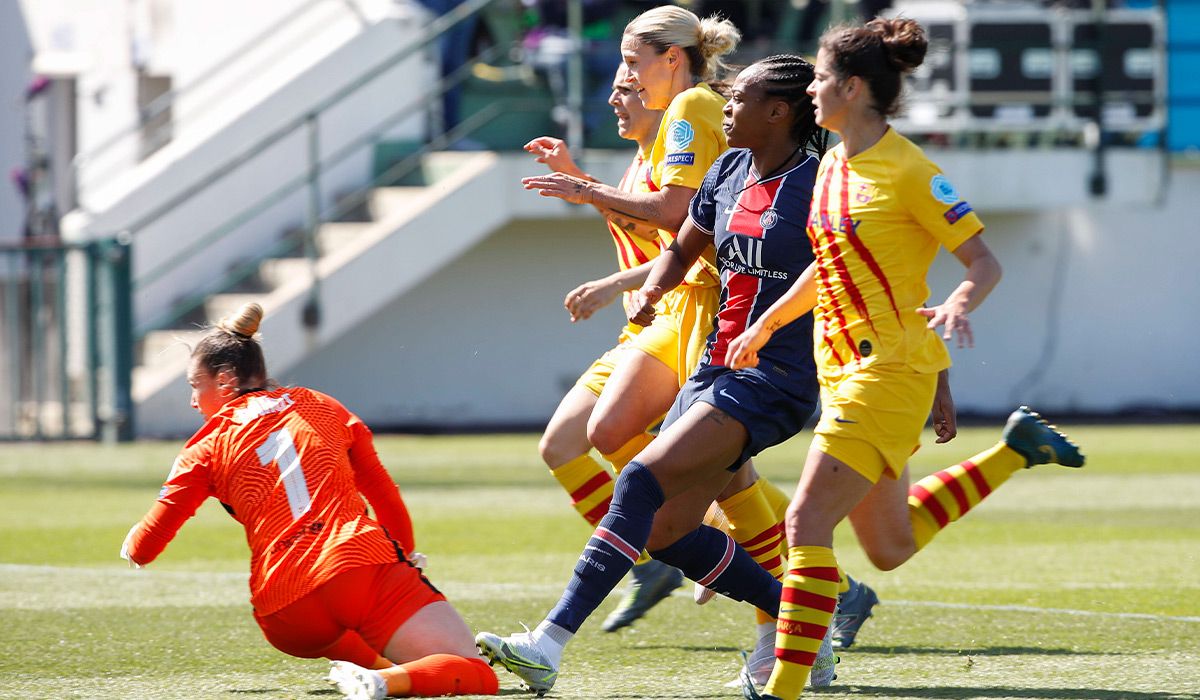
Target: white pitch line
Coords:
[[1032, 609], [485, 588]]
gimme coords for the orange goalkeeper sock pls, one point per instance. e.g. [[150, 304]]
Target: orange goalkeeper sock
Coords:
[[441, 674]]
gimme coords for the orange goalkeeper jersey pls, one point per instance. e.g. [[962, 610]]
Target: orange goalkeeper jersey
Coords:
[[289, 465]]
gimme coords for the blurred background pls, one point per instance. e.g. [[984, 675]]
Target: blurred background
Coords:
[[354, 166]]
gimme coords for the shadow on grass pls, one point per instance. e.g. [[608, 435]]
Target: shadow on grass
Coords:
[[333, 693], [1007, 692], [980, 651], [705, 649]]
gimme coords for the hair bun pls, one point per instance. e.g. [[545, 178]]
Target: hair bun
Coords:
[[244, 321], [904, 42], [718, 36]]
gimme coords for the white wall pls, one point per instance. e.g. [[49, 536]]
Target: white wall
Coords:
[[1098, 309], [486, 341]]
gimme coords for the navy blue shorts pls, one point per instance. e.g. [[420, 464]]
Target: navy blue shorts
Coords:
[[769, 414]]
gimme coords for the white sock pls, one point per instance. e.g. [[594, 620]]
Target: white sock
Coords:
[[765, 628], [551, 639]]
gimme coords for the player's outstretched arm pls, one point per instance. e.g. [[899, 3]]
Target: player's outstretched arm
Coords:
[[983, 274], [798, 300], [181, 496], [553, 152], [590, 297], [666, 209]]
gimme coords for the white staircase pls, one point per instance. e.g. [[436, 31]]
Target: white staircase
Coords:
[[360, 267]]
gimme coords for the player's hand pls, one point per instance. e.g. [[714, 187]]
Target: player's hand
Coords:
[[588, 298], [743, 350], [568, 188], [554, 153], [125, 548], [954, 317], [945, 417], [418, 560], [640, 309]]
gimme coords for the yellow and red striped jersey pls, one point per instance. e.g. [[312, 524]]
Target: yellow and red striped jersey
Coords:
[[689, 140], [289, 465], [633, 250], [875, 225]]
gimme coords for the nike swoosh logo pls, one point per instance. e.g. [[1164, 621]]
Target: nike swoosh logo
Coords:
[[729, 396], [839, 419]]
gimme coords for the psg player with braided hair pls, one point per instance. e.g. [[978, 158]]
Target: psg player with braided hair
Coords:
[[752, 205]]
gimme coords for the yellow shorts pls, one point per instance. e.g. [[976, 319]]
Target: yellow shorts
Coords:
[[596, 376], [677, 337], [872, 419]]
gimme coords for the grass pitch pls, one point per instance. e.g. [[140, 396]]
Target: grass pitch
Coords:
[[1065, 584]]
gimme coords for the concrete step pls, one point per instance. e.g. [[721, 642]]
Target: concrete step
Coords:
[[276, 272], [336, 235], [384, 201]]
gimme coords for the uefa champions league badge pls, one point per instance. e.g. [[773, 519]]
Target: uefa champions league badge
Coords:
[[768, 219], [942, 190], [679, 135]]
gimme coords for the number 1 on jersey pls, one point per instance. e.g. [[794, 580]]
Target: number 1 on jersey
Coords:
[[280, 449]]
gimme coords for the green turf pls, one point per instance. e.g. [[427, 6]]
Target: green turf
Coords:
[[1067, 585]]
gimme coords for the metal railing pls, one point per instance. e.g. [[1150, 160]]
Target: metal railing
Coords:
[[161, 108], [65, 359], [310, 179]]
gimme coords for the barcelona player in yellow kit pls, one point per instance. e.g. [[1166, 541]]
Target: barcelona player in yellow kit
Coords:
[[326, 578], [880, 211]]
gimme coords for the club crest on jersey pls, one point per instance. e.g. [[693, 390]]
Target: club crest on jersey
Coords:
[[866, 192], [679, 135], [942, 190], [768, 219]]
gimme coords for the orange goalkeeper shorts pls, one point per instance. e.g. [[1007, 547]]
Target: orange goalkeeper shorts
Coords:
[[371, 601]]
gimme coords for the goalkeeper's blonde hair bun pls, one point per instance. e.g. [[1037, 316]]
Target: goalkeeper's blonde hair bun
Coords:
[[244, 322]]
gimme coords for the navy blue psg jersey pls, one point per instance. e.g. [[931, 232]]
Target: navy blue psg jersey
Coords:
[[762, 247]]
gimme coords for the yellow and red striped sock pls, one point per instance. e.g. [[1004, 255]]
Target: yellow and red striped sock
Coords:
[[589, 485], [776, 497], [943, 497], [805, 611], [754, 525], [625, 454]]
